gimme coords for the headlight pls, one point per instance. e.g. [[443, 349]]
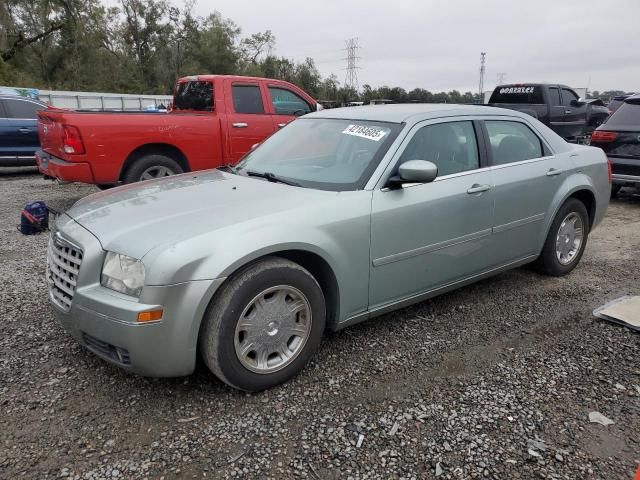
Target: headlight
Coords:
[[122, 274]]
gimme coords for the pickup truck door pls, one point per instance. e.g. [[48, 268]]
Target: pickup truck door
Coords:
[[23, 125], [286, 105], [425, 236], [247, 118], [556, 111], [575, 113]]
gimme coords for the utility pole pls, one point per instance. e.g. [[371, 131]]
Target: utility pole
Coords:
[[481, 86], [501, 77], [351, 77]]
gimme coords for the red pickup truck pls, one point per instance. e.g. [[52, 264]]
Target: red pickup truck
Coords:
[[213, 120]]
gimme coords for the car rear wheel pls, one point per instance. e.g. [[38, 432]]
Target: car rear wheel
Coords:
[[566, 240], [150, 167], [264, 325]]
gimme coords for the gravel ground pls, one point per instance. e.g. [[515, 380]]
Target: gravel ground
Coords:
[[495, 380]]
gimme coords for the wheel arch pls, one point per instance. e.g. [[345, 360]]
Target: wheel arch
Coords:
[[312, 261], [583, 193], [166, 149]]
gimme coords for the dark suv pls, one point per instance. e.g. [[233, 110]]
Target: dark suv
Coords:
[[619, 137], [18, 130]]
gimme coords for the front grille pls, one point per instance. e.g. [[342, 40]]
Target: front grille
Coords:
[[63, 265], [117, 354]]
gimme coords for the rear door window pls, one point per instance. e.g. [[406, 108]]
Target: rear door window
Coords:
[[22, 109], [628, 115], [285, 102], [530, 94], [194, 96], [554, 96], [247, 99], [512, 142]]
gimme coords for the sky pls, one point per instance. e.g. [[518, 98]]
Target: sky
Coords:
[[436, 44]]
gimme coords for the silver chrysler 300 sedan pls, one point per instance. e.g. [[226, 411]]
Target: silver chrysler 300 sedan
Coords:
[[342, 215]]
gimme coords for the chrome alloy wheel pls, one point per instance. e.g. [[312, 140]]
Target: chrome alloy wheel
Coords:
[[569, 239], [156, 172], [273, 329]]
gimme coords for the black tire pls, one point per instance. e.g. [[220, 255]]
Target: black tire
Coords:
[[548, 261], [615, 189], [217, 335], [136, 171]]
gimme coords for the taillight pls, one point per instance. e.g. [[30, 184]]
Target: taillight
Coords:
[[609, 172], [71, 140], [603, 136]]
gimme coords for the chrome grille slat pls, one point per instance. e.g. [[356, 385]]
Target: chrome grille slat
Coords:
[[63, 267]]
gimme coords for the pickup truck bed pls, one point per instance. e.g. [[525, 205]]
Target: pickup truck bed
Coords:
[[214, 121]]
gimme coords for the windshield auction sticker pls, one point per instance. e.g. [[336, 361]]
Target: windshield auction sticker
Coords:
[[371, 133]]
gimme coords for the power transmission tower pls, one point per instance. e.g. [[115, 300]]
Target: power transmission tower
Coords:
[[501, 77], [481, 86], [351, 77]]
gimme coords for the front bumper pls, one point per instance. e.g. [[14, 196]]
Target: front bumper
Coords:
[[105, 321], [54, 167]]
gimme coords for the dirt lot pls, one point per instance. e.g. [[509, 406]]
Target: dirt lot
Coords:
[[495, 380]]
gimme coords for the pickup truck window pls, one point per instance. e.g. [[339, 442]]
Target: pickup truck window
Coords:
[[247, 99], [554, 96], [567, 97], [285, 102], [22, 109], [194, 96], [512, 142], [517, 94], [451, 146]]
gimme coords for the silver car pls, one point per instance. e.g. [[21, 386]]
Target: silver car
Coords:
[[341, 216]]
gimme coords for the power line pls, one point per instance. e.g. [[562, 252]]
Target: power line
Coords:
[[481, 86], [351, 76]]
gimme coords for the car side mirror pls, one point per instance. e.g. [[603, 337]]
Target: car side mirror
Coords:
[[415, 171], [577, 103]]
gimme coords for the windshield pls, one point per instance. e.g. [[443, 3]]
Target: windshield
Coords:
[[323, 153]]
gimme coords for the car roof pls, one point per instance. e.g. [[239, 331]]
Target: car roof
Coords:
[[404, 112]]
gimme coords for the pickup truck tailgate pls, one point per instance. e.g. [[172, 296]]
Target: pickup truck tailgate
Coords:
[[50, 131]]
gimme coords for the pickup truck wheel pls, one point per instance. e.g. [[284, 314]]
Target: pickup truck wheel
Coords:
[[566, 240], [264, 325], [150, 167], [615, 189]]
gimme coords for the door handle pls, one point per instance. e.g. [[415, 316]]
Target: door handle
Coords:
[[280, 125], [240, 125], [553, 172], [568, 111], [24, 130], [476, 188]]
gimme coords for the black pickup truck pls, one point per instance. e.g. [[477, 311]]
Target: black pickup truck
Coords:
[[557, 106]]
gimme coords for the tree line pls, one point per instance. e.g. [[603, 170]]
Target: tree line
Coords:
[[143, 46]]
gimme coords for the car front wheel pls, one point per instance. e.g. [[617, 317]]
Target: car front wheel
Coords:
[[566, 240], [264, 325]]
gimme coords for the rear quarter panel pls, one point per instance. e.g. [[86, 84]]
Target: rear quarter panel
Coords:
[[109, 138], [587, 170]]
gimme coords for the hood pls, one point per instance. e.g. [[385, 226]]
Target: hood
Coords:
[[133, 219]]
